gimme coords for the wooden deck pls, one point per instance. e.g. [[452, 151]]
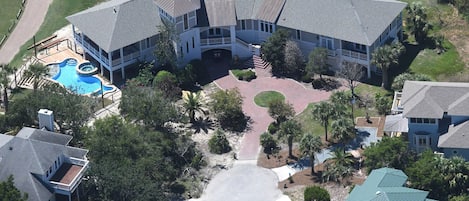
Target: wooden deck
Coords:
[[66, 173]]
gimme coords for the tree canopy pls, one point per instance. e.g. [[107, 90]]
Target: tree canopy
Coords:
[[385, 57], [273, 50], [389, 152], [317, 63], [227, 107], [9, 192], [280, 110], [290, 130]]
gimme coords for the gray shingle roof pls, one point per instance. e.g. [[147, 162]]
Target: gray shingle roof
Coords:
[[431, 99], [221, 12], [118, 23], [247, 9], [178, 7], [358, 21], [44, 135], [270, 10], [456, 137], [27, 157]]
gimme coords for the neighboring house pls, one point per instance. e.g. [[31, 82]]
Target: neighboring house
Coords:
[[42, 164], [438, 116], [386, 184], [118, 33]]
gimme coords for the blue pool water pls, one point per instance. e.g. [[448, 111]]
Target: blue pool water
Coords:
[[68, 77]]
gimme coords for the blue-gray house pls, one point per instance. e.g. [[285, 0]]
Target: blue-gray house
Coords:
[[438, 116]]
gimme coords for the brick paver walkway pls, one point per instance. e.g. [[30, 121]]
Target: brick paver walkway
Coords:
[[294, 93], [29, 23]]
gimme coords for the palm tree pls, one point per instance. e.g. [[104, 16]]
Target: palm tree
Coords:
[[343, 130], [322, 112], [310, 144], [192, 104], [290, 130], [339, 166], [5, 71], [417, 21], [384, 57], [36, 71]]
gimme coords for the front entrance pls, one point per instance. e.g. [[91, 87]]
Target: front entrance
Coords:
[[217, 62]]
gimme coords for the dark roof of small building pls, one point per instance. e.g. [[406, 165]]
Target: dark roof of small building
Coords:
[[29, 155]]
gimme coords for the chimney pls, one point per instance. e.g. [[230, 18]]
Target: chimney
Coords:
[[46, 119]]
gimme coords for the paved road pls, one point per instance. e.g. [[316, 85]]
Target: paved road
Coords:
[[245, 181], [28, 25]]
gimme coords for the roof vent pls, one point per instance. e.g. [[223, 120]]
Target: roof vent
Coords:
[[114, 9], [10, 148], [378, 192]]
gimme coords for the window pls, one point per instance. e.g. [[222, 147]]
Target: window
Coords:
[[187, 47], [193, 43], [271, 28], [262, 26], [180, 48], [148, 43], [327, 42], [214, 31], [422, 121], [186, 22], [243, 24], [422, 141], [298, 34]]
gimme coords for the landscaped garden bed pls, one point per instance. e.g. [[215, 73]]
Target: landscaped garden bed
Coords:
[[245, 75]]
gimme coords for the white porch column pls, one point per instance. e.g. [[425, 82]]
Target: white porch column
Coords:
[[368, 67], [83, 44], [102, 69], [74, 34], [233, 40], [109, 56], [111, 75]]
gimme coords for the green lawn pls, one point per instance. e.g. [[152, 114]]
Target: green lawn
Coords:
[[55, 19], [436, 65], [8, 12], [264, 98]]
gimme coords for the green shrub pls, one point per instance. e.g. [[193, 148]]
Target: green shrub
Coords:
[[399, 80], [268, 142], [187, 76], [218, 144], [382, 103], [307, 78], [273, 128], [318, 83], [316, 193], [167, 83], [246, 75]]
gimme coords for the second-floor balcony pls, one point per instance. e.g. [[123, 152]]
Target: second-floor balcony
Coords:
[[215, 41], [69, 175], [396, 103], [353, 54]]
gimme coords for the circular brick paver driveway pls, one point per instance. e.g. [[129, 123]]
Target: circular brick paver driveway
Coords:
[[295, 94]]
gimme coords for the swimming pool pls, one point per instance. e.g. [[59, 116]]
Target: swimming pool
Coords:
[[68, 77]]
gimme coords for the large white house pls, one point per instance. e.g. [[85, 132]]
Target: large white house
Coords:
[[118, 33]]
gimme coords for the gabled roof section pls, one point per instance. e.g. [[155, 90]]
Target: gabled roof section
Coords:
[[358, 21], [118, 23], [270, 10], [432, 99], [221, 12], [456, 137], [27, 157], [386, 184], [247, 9], [177, 8]]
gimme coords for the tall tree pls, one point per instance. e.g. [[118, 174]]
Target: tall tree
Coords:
[[309, 145], [322, 112], [339, 166], [389, 152], [273, 50], [8, 191], [193, 104], [167, 83], [317, 63], [343, 130], [227, 107], [294, 59], [386, 56], [165, 50], [37, 71], [399, 80], [280, 111], [5, 71], [353, 73], [147, 105], [417, 21], [289, 130]]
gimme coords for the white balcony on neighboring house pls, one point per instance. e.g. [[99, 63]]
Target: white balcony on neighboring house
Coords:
[[68, 176], [396, 103], [353, 54]]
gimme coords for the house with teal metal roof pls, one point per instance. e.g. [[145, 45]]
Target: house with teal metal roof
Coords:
[[386, 184]]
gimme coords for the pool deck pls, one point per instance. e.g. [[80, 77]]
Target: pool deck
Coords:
[[53, 55]]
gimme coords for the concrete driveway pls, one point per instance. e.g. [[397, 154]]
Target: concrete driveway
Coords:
[[245, 181]]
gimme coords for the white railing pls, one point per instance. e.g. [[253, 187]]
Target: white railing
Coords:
[[353, 54], [131, 56], [116, 62], [331, 53], [215, 41], [243, 43], [72, 185]]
